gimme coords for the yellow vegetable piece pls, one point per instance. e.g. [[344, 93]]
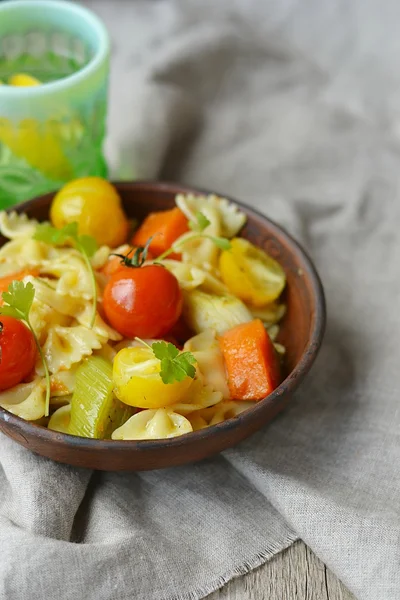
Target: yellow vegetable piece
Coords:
[[137, 380], [251, 274], [23, 80], [96, 206]]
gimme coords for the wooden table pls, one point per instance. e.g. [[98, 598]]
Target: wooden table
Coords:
[[295, 574]]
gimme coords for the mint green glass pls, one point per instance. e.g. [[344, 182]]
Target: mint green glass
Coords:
[[54, 132]]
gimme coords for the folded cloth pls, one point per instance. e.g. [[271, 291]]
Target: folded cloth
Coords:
[[293, 108]]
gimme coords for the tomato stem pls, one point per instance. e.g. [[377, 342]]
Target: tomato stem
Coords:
[[139, 257]]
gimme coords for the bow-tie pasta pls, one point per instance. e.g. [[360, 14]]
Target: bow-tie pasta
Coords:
[[66, 346], [205, 348], [14, 225], [153, 425], [26, 400], [198, 396], [60, 419], [231, 219]]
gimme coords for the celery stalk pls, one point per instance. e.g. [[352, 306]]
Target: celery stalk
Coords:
[[95, 411]]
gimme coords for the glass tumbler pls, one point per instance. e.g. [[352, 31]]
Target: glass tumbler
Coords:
[[52, 132]]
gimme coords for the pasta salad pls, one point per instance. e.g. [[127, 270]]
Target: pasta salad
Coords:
[[116, 330]]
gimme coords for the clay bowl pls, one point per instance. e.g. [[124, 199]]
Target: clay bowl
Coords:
[[301, 332]]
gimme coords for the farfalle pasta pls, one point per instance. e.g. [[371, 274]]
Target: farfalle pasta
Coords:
[[66, 346], [191, 276], [15, 225], [71, 275], [24, 252], [200, 395], [201, 250], [205, 348], [230, 218], [25, 400], [153, 425], [138, 342]]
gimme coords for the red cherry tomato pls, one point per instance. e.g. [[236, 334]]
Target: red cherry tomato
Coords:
[[143, 301], [17, 352]]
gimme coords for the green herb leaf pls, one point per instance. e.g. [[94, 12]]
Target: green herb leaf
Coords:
[[175, 365], [18, 302], [164, 350], [221, 242], [20, 297], [85, 244], [69, 230], [200, 223], [57, 237]]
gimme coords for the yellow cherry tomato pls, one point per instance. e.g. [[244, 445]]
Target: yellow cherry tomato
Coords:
[[23, 80], [251, 274], [137, 380], [96, 206]]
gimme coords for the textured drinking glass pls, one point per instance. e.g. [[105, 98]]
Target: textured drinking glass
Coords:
[[54, 132]]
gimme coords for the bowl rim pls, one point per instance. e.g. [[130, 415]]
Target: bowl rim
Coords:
[[291, 381]]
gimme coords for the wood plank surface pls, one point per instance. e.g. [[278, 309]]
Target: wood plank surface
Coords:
[[294, 574]]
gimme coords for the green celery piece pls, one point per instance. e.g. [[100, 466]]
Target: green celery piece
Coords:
[[95, 411]]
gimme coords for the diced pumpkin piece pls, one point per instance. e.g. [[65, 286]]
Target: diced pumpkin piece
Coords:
[[251, 361], [165, 227]]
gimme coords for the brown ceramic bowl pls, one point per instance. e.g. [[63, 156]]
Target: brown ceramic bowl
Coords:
[[301, 332]]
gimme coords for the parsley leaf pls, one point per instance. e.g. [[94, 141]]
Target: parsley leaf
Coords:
[[221, 242], [175, 365], [85, 244], [57, 237], [164, 350], [200, 223], [19, 297], [17, 303]]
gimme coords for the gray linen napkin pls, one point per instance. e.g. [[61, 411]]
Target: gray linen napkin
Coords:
[[293, 107]]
